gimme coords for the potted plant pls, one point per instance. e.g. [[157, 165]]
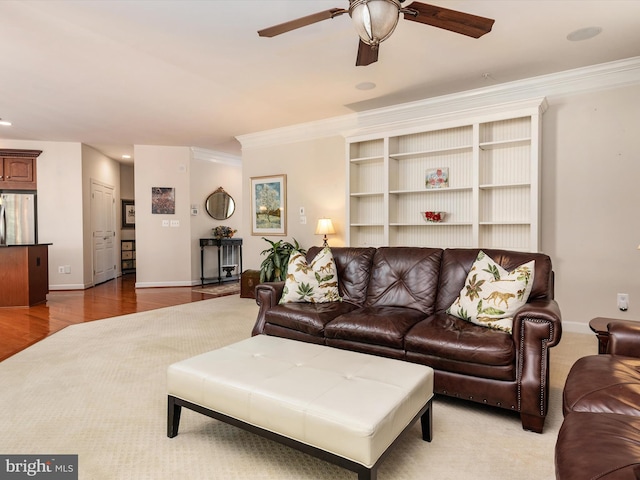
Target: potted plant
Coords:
[[274, 266]]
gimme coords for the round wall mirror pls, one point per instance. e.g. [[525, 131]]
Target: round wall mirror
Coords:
[[220, 204]]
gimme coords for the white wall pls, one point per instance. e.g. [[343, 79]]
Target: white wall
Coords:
[[206, 177], [163, 256], [170, 256], [316, 179], [59, 175], [590, 184]]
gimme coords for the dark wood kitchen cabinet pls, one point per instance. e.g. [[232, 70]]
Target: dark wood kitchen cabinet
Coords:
[[18, 169]]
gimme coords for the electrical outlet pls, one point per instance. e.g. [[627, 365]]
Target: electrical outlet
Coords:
[[623, 301], [61, 269]]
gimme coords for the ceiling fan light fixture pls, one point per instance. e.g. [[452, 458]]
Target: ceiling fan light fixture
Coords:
[[374, 20]]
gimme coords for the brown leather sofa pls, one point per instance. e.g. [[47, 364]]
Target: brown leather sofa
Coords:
[[600, 434], [394, 303]]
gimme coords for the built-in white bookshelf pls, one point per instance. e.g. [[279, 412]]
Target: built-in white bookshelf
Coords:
[[492, 157]]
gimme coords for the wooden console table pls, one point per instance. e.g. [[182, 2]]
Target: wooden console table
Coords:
[[234, 245]]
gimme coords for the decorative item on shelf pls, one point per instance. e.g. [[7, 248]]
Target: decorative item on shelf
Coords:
[[325, 227], [222, 231], [434, 217], [437, 178]]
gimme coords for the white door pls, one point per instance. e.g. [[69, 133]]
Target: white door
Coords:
[[103, 230]]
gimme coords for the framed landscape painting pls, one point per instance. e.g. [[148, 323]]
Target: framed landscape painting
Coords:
[[269, 205]]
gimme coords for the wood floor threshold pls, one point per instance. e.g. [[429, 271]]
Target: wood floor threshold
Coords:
[[21, 327]]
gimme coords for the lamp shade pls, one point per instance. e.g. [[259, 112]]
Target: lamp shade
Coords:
[[325, 227], [374, 20]]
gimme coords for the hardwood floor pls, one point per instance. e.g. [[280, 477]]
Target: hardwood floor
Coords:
[[21, 327]]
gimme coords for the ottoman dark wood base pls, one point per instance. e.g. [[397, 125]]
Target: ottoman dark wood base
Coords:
[[364, 473]]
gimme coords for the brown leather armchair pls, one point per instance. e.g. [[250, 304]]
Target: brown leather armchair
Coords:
[[600, 434]]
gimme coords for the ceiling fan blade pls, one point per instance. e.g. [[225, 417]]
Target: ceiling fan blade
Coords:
[[452, 20], [301, 22], [366, 54]]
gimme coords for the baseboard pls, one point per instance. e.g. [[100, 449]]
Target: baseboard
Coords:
[[68, 286], [184, 283], [576, 327]]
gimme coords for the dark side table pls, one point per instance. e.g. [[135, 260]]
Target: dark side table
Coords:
[[599, 326]]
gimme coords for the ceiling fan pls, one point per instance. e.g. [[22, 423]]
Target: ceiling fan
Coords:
[[375, 21]]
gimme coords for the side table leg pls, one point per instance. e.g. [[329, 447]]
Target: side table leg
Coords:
[[603, 342]]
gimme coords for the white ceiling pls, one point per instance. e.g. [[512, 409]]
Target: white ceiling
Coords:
[[112, 74]]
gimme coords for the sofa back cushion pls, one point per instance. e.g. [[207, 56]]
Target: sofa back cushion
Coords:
[[456, 263], [405, 277], [354, 267]]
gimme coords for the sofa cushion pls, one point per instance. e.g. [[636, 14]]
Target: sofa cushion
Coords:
[[309, 318], [491, 295], [353, 266], [456, 263], [315, 281], [385, 326], [404, 277], [602, 446], [603, 383], [456, 345]]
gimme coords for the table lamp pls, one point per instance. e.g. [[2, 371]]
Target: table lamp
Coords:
[[325, 227]]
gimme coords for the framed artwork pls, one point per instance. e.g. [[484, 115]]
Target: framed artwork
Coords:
[[437, 178], [163, 200], [269, 205], [128, 214]]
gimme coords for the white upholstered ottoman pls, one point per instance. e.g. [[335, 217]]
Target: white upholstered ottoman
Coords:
[[341, 406]]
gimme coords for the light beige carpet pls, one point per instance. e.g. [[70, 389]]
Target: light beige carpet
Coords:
[[98, 390]]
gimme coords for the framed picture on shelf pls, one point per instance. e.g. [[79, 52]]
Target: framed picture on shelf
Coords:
[[269, 205], [437, 178], [128, 214]]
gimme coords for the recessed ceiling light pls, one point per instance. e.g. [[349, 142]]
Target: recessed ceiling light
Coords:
[[126, 156], [584, 34], [5, 123], [366, 86]]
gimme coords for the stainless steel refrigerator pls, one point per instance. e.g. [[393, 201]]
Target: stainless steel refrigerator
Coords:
[[18, 219]]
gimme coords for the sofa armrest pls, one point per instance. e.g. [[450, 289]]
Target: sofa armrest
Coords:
[[545, 312], [536, 327], [624, 339], [267, 296]]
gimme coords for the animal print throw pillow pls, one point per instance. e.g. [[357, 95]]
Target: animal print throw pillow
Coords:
[[313, 282], [491, 295]]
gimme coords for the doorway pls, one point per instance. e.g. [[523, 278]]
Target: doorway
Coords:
[[103, 219]]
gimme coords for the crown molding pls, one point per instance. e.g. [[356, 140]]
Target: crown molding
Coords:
[[198, 153], [552, 87]]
